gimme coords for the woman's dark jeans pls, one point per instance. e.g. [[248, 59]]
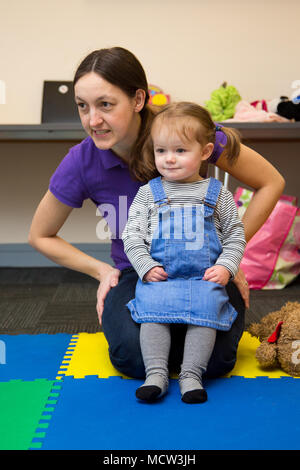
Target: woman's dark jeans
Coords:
[[122, 333]]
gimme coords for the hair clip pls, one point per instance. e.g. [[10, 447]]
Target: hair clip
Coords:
[[218, 128]]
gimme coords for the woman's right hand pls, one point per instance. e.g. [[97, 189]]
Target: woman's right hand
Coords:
[[48, 219], [108, 279]]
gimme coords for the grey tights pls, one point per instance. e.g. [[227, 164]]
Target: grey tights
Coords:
[[155, 341]]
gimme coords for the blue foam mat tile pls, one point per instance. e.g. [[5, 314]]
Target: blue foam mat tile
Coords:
[[240, 414], [30, 357]]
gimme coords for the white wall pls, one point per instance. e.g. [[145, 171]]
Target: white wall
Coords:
[[188, 47], [25, 172]]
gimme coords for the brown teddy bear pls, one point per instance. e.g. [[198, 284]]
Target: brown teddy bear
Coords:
[[279, 334]]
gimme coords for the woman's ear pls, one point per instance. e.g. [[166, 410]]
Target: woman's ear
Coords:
[[140, 97], [207, 151]]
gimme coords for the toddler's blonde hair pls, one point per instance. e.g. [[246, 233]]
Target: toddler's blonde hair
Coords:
[[189, 121]]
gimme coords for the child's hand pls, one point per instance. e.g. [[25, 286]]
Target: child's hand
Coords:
[[155, 274], [218, 274]]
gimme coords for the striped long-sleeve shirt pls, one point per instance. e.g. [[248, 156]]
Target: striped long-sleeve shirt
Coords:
[[143, 220]]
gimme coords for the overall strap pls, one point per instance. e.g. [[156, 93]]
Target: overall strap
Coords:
[[212, 194], [158, 192]]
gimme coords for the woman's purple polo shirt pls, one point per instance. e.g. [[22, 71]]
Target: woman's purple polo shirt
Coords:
[[87, 172]]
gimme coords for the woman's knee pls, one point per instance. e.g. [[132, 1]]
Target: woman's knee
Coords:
[[123, 339], [224, 355], [124, 347], [127, 359], [222, 360]]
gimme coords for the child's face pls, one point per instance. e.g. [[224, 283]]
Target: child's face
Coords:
[[177, 158]]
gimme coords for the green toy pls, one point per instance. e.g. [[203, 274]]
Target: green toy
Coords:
[[223, 102]]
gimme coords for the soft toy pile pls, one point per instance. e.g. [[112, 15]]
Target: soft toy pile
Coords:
[[227, 105], [279, 334], [250, 112]]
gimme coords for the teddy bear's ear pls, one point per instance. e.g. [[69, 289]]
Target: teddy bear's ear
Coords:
[[254, 329], [275, 335]]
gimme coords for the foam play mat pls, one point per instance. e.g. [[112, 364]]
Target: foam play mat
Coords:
[[60, 392]]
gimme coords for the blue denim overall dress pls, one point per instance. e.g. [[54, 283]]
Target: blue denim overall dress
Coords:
[[186, 244]]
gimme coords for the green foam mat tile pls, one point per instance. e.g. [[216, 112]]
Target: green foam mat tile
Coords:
[[21, 406]]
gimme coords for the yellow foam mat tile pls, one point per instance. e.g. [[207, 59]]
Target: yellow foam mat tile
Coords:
[[247, 365], [88, 355]]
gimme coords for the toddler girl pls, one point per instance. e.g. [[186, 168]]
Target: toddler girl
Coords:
[[185, 240]]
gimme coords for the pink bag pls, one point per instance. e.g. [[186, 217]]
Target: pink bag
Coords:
[[272, 256]]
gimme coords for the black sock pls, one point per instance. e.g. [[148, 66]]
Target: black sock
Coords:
[[195, 396], [148, 392]]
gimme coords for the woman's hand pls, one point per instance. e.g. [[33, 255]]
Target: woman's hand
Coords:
[[242, 285], [156, 274], [109, 278]]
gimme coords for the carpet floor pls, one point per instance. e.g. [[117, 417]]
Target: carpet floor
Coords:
[[58, 300]]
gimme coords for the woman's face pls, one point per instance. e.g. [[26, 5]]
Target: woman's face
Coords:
[[107, 114]]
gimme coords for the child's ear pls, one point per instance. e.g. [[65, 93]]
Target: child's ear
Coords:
[[207, 151]]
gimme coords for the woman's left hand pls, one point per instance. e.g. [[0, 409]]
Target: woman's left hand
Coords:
[[242, 285]]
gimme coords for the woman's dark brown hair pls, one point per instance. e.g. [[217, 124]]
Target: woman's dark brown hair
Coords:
[[121, 68]]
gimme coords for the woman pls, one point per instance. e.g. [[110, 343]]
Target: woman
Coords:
[[111, 92]]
